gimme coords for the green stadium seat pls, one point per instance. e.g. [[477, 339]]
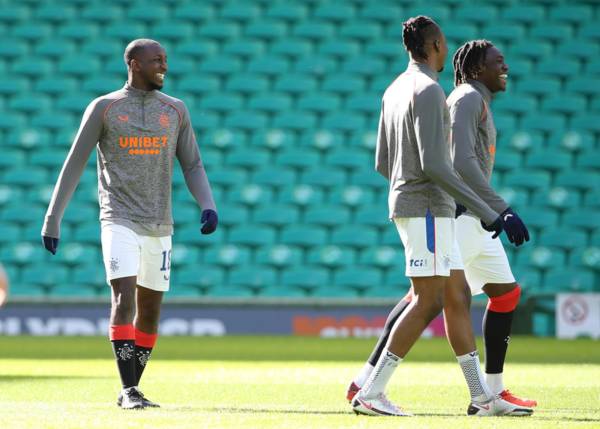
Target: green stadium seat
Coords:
[[528, 179], [539, 85], [382, 256], [381, 12], [231, 214], [295, 120], [194, 12], [595, 239], [524, 141], [31, 31], [563, 67], [331, 256], [295, 48], [199, 84], [231, 177], [102, 13], [358, 277], [573, 141], [439, 12], [220, 65], [89, 273], [579, 48], [551, 31], [270, 65], [339, 48], [351, 196], [9, 233], [279, 255], [297, 158], [244, 48], [564, 237], [547, 122], [202, 277], [319, 102], [460, 32], [305, 276], [396, 278], [549, 160], [573, 280], [515, 103], [183, 254], [324, 178], [13, 47], [47, 157], [384, 48], [362, 30], [270, 102], [197, 49], [529, 279], [327, 215], [55, 48], [586, 121], [351, 160], [9, 194], [275, 177], [248, 84], [24, 176], [582, 218], [592, 198], [287, 11], [246, 120], [538, 217], [586, 85], [354, 236], [56, 85], [53, 12], [314, 30], [183, 292], [582, 180], [69, 292], [228, 255], [593, 66], [9, 121], [483, 14], [252, 276], [54, 120], [277, 215], [30, 103], [11, 85], [295, 83], [505, 161], [11, 13], [558, 197], [303, 235], [372, 216], [75, 103], [45, 275], [148, 15], [27, 290], [251, 194], [252, 235], [323, 140], [541, 257], [266, 29], [334, 292], [364, 65], [221, 102], [336, 12], [565, 104], [79, 31], [344, 84], [239, 11], [300, 195], [507, 31], [527, 14], [282, 292], [571, 13], [588, 257], [370, 179], [21, 253], [231, 292]]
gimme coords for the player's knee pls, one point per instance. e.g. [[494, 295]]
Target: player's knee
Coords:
[[505, 303], [123, 307]]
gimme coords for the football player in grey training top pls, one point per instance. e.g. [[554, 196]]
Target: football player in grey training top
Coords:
[[479, 73], [413, 154], [137, 132]]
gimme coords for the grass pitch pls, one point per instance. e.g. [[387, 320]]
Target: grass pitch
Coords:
[[281, 382]]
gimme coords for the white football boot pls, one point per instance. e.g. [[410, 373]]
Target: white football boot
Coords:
[[378, 405], [498, 407]]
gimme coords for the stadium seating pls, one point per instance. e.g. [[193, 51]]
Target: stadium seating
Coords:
[[285, 98]]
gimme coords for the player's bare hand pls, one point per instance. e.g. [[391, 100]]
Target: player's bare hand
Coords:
[[50, 243], [210, 220]]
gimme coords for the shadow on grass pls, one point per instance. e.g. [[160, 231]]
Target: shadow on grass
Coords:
[[316, 412], [23, 377]]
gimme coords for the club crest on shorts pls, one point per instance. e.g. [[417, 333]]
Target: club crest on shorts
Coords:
[[114, 264]]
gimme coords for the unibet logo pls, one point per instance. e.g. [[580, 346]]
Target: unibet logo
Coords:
[[418, 262], [143, 145]]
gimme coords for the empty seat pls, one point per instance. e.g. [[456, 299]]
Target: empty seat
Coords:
[[271, 65], [359, 277], [301, 195], [228, 255], [303, 235], [250, 194], [528, 179], [354, 236], [252, 235], [277, 215], [574, 280], [558, 197], [327, 215], [314, 29], [588, 257], [583, 180], [304, 276], [542, 257], [585, 218], [563, 237], [266, 29], [549, 160], [279, 255]]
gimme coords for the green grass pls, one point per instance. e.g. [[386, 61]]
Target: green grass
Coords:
[[280, 382]]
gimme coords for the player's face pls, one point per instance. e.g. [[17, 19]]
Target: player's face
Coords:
[[151, 66], [495, 72], [443, 52]]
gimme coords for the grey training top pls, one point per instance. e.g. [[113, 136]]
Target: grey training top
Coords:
[[137, 134], [474, 140], [413, 150]]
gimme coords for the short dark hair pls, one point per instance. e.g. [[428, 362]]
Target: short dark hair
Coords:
[[469, 60], [414, 33], [134, 47]]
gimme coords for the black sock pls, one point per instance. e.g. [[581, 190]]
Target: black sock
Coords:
[[142, 355], [125, 355], [387, 329], [496, 334]]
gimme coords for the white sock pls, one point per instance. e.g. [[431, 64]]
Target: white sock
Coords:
[[469, 363], [495, 382], [381, 374], [364, 373]]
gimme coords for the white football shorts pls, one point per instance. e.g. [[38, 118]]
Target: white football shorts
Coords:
[[484, 258], [429, 245], [127, 254]]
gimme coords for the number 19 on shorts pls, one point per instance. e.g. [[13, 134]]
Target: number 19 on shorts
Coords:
[[166, 260]]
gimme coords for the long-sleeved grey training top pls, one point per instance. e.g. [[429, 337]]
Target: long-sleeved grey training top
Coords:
[[413, 150], [474, 140], [137, 135]]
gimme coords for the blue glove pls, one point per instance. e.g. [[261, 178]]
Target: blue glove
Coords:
[[515, 229], [460, 209], [210, 221], [495, 227], [50, 243]]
